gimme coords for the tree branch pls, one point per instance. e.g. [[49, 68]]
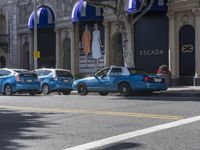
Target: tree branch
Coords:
[[143, 12], [101, 3]]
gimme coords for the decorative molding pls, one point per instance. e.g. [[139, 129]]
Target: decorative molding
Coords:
[[171, 15], [106, 23], [185, 19], [196, 11]]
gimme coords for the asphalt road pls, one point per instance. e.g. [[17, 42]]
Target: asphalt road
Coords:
[[58, 122]]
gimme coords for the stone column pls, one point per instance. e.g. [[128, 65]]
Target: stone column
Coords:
[[107, 45], [57, 48], [172, 46], [73, 52], [19, 51], [30, 39], [197, 46]]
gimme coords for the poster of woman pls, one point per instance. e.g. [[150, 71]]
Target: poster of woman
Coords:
[[96, 45], [86, 40], [91, 54]]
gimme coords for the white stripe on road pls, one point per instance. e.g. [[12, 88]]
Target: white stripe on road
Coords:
[[122, 137]]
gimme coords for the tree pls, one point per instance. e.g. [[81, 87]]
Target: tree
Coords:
[[126, 20]]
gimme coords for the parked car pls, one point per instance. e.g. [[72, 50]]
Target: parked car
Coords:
[[18, 80], [120, 79], [55, 80]]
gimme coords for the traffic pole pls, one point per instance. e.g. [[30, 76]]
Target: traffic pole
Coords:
[[35, 36]]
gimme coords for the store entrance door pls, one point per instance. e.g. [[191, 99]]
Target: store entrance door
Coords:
[[47, 48], [187, 51]]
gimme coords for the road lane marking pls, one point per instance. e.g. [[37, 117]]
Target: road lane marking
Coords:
[[108, 113], [130, 135]]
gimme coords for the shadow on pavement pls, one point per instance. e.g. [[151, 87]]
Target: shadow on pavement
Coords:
[[161, 97], [14, 126], [122, 146]]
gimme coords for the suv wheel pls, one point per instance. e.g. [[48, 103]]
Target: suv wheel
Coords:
[[8, 90]]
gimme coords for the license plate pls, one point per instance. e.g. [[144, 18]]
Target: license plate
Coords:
[[29, 81], [65, 81], [157, 80]]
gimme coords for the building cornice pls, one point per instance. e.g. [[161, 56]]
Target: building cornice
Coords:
[[182, 5]]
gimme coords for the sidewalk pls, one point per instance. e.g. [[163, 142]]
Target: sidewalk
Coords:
[[188, 91]]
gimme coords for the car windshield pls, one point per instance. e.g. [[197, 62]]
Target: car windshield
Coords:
[[136, 71], [102, 72], [43, 72], [61, 73]]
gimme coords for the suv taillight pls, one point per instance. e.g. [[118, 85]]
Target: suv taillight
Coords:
[[17, 78], [55, 78]]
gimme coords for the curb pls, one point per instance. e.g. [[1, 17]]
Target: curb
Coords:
[[159, 94], [178, 94]]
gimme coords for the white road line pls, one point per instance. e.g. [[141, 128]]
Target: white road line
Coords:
[[122, 137]]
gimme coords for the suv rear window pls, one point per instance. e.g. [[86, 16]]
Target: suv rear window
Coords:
[[4, 72], [43, 72], [136, 71], [60, 73], [28, 74]]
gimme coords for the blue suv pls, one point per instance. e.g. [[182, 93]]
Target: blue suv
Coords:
[[18, 80], [55, 80]]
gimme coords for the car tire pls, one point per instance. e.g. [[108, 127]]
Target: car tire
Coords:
[[8, 90], [124, 89], [67, 92], [45, 89], [82, 89], [103, 93]]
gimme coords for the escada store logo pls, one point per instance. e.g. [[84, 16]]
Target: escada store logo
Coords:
[[187, 48], [151, 52]]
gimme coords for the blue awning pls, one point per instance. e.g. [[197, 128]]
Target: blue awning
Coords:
[[45, 17], [158, 5], [82, 11], [132, 6]]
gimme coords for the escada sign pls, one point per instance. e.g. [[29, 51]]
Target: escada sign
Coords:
[[151, 52]]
